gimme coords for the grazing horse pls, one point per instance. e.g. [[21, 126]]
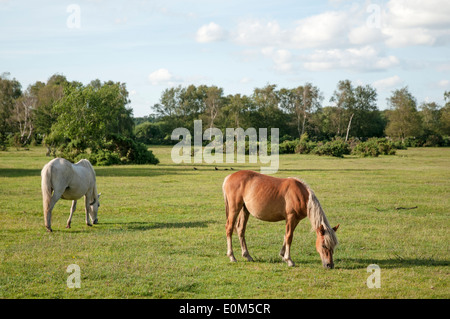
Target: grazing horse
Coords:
[[69, 181], [274, 199]]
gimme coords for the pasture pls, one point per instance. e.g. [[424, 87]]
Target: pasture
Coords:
[[161, 231]]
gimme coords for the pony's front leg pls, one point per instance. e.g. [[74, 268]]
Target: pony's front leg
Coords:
[[291, 223], [72, 210], [87, 208]]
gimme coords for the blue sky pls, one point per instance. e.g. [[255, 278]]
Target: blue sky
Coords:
[[236, 45]]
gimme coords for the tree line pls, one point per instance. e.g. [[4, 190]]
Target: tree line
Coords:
[[78, 121], [351, 113]]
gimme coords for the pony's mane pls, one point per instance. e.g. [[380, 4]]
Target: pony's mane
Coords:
[[317, 217]]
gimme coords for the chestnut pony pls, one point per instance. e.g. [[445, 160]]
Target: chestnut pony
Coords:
[[274, 199]]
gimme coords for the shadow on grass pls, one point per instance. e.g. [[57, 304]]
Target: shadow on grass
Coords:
[[121, 171], [353, 263], [358, 263], [140, 226], [19, 172]]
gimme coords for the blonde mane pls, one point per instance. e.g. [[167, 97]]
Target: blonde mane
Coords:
[[317, 217]]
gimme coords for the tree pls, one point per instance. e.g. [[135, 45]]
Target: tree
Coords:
[[94, 121], [46, 95], [403, 118], [445, 115], [357, 111], [213, 103], [344, 100], [431, 115], [22, 117], [300, 102], [236, 109], [10, 91]]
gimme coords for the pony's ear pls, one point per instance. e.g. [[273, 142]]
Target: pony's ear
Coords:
[[335, 228], [321, 230]]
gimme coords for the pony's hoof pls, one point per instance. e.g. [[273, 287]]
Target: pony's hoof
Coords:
[[68, 226], [90, 225], [95, 222], [49, 229], [290, 263], [248, 257]]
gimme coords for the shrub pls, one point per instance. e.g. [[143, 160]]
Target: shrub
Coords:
[[305, 146], [375, 147], [337, 147], [288, 147]]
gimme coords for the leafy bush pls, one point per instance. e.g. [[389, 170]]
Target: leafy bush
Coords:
[[375, 147], [288, 147], [130, 151], [305, 146], [337, 147], [365, 149]]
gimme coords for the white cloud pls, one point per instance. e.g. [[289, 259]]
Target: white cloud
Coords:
[[260, 33], [322, 30], [443, 84], [210, 33], [413, 22], [366, 58], [281, 58], [160, 76], [388, 83]]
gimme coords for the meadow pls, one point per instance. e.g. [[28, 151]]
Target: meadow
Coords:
[[161, 231]]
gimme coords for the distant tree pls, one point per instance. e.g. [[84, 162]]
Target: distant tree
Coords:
[[344, 100], [356, 111], [403, 118], [213, 104], [300, 103], [94, 122], [267, 111], [46, 95], [445, 115], [236, 111], [431, 116], [10, 91], [23, 117]]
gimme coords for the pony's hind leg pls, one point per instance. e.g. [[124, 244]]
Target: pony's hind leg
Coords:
[[72, 210], [240, 226], [233, 209], [49, 208]]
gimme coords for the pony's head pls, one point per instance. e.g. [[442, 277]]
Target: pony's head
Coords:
[[325, 243], [94, 209]]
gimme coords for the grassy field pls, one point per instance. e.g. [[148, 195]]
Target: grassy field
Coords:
[[161, 231]]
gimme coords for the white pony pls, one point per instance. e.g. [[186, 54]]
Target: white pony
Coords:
[[69, 181]]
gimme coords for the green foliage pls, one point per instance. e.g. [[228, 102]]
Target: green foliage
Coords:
[[288, 147], [374, 147], [338, 147], [94, 123]]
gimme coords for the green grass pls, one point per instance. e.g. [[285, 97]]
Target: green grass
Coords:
[[161, 231]]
